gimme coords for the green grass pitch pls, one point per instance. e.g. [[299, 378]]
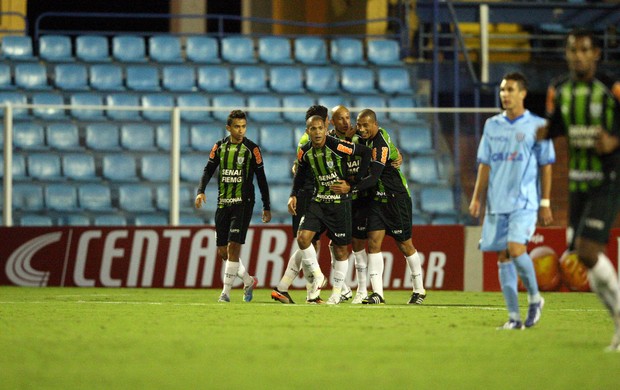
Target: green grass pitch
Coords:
[[70, 338]]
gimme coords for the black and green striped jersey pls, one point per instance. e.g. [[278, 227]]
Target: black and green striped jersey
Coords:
[[353, 162], [308, 186], [237, 165], [579, 110]]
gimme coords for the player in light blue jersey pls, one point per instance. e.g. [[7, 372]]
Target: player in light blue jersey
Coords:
[[509, 160]]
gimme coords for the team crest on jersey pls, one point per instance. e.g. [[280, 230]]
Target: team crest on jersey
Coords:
[[520, 137], [330, 164], [240, 160], [596, 109]]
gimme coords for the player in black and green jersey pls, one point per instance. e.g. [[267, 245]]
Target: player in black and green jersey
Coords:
[[584, 107], [238, 159]]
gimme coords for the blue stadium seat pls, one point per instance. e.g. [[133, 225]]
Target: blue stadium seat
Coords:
[[238, 50], [151, 220], [106, 77], [61, 197], [196, 101], [179, 78], [165, 48], [6, 77], [71, 77], [333, 101], [73, 219], [264, 101], [55, 48], [192, 166], [36, 220], [253, 135], [17, 48], [44, 166], [286, 79], [31, 76], [358, 80], [419, 219], [138, 137], [86, 99], [162, 137], [278, 195], [110, 220], [274, 50], [384, 52], [122, 100], [186, 197], [423, 169], [190, 220], [250, 79], [395, 80], [278, 167], [232, 102], [301, 102], [92, 48], [155, 167], [214, 79], [402, 102], [95, 197], [28, 136], [310, 51], [27, 196], [416, 139], [202, 50], [79, 167], [211, 206], [119, 167], [142, 78], [322, 80], [437, 200], [14, 98], [347, 51], [102, 137], [373, 102], [203, 137], [19, 167], [282, 136], [156, 100], [135, 198], [128, 48], [445, 220], [63, 136], [48, 113]]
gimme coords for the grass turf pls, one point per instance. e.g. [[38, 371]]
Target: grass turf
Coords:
[[161, 338]]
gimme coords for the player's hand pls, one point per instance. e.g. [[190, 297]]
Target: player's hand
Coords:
[[399, 160], [545, 215], [292, 205], [294, 168], [200, 199], [474, 208], [605, 142], [266, 216], [341, 187]]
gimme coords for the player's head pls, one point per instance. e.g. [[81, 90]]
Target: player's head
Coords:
[[316, 129], [341, 119], [512, 92], [235, 114], [366, 123], [236, 125], [319, 110], [582, 53]]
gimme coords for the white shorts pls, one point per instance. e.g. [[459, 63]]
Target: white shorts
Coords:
[[500, 229]]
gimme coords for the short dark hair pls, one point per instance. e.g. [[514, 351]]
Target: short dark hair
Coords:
[[369, 113], [321, 111], [312, 118], [581, 32], [518, 77], [235, 114]]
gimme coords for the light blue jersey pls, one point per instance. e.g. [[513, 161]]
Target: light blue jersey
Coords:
[[510, 149]]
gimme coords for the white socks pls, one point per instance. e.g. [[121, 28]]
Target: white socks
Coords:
[[309, 260], [415, 265], [361, 268], [340, 270], [230, 273], [375, 272], [246, 277], [604, 282], [292, 270]]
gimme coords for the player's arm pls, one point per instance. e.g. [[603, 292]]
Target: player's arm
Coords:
[[482, 183], [261, 178], [377, 164], [207, 174], [298, 181], [544, 211]]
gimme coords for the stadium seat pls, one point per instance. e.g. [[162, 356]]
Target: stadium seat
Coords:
[[73, 219], [279, 195], [214, 79], [274, 50], [122, 100], [253, 135], [202, 50], [155, 167], [402, 102], [302, 102], [135, 198], [110, 220], [92, 48], [138, 137], [445, 220], [192, 166], [423, 169], [238, 50], [264, 101], [142, 78], [48, 113], [27, 196], [194, 101], [70, 77], [437, 200], [119, 167], [28, 136], [347, 51], [156, 100], [31, 76], [162, 137], [383, 52], [14, 98], [151, 220], [231, 102], [95, 197], [186, 197], [179, 78], [44, 166], [19, 167], [79, 167], [310, 51], [6, 77], [282, 136], [61, 197], [17, 48], [165, 48], [333, 101], [373, 102], [106, 77], [55, 48], [278, 167], [419, 219], [322, 80], [203, 137], [286, 79], [102, 137], [63, 136], [35, 220], [416, 139], [190, 220], [394, 81], [250, 79], [358, 80], [128, 48], [86, 99]]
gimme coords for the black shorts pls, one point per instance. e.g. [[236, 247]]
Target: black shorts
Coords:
[[333, 217], [593, 213], [361, 209], [232, 222], [303, 201], [395, 217]]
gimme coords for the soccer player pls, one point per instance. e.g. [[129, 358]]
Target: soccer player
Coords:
[[584, 106], [238, 159], [508, 173]]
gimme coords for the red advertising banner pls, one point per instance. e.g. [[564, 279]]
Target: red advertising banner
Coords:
[[556, 269], [186, 257]]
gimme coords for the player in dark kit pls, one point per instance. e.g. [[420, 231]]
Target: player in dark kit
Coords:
[[238, 159]]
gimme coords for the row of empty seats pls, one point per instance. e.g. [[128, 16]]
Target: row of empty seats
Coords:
[[119, 219], [203, 49]]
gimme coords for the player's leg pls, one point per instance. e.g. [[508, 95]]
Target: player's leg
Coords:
[[361, 268], [341, 267], [345, 290], [415, 266], [222, 229], [375, 267], [240, 222]]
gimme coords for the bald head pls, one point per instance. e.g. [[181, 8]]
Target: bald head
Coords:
[[341, 119]]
